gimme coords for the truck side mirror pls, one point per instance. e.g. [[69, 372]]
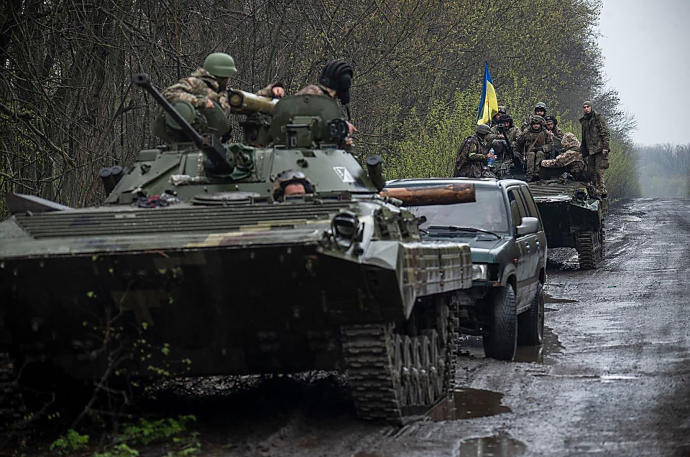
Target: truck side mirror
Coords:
[[528, 225]]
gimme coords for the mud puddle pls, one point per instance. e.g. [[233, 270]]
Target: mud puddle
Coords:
[[501, 445], [548, 298], [468, 404], [540, 354]]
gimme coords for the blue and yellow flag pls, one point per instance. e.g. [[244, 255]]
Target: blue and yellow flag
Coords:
[[488, 104]]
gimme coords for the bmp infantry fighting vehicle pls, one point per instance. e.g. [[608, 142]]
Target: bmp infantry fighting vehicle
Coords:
[[201, 254], [572, 213], [572, 218]]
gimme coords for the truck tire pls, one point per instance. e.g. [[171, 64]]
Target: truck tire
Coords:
[[500, 333], [531, 322]]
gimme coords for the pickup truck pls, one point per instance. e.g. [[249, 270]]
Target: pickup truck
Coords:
[[505, 304]]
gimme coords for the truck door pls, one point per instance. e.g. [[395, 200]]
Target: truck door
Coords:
[[527, 247]]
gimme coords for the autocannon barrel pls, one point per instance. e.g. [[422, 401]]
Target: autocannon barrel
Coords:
[[245, 102], [209, 144]]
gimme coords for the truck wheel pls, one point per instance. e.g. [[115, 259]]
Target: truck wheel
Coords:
[[531, 322], [500, 333]]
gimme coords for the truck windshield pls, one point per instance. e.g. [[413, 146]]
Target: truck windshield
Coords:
[[487, 213]]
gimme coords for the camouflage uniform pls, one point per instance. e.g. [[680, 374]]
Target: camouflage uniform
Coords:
[[570, 158], [197, 89], [510, 135], [532, 144], [595, 138], [557, 142], [316, 89], [471, 158]]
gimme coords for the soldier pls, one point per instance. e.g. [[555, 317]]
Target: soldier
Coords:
[[497, 117], [291, 182], [335, 81], [570, 158], [472, 155], [556, 136], [539, 110], [502, 138], [208, 85], [531, 144], [595, 146]]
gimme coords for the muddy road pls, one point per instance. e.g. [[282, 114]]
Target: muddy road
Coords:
[[612, 379]]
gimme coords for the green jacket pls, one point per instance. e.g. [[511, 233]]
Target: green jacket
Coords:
[[471, 158], [533, 140], [595, 134]]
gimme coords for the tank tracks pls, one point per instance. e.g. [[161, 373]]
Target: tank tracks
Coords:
[[389, 370], [590, 248]]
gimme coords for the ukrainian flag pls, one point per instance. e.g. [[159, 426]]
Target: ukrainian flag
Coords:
[[488, 104]]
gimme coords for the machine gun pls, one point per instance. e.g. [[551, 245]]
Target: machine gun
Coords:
[[208, 143]]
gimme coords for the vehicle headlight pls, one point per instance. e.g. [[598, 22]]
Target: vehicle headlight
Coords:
[[480, 271]]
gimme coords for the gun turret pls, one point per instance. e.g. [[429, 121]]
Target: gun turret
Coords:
[[208, 143], [247, 103]]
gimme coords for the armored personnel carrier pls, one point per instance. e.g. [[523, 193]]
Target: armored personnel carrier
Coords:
[[200, 259], [572, 218], [572, 213]]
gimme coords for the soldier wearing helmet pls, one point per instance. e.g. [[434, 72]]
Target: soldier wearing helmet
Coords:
[[472, 155], [502, 137], [539, 110], [207, 86], [497, 117], [532, 144], [291, 182]]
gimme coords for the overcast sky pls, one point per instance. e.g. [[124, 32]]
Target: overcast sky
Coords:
[[647, 51]]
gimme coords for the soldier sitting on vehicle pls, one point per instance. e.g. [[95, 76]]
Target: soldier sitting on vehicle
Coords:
[[335, 81], [202, 99], [531, 145], [291, 182], [502, 138], [472, 155], [539, 110], [556, 135], [570, 160], [497, 117]]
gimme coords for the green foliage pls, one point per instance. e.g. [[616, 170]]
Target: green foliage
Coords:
[[175, 432], [621, 177], [119, 450], [145, 431], [428, 145], [69, 443]]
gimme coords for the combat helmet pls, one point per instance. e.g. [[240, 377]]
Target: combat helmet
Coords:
[[284, 178], [337, 75], [220, 65], [540, 105], [483, 129]]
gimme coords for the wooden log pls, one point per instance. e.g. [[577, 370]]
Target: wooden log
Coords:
[[446, 194]]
